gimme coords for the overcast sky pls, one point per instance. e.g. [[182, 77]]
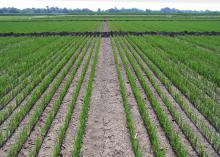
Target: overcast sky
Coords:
[[106, 4]]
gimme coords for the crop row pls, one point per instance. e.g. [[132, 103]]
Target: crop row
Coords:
[[21, 58], [16, 117], [150, 126], [70, 108], [192, 137], [199, 60], [210, 135], [52, 113], [37, 73], [36, 80], [47, 97], [164, 26], [209, 43], [124, 95], [190, 90], [190, 74], [85, 108], [11, 65], [163, 119]]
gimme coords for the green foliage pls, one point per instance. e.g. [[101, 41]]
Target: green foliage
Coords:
[[22, 90], [52, 113], [194, 94], [45, 26], [160, 25]]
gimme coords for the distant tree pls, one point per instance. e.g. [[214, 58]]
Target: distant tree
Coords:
[[11, 10]]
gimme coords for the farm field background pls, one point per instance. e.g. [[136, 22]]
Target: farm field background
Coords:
[[118, 95], [116, 23]]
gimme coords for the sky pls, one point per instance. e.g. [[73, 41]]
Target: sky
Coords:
[[106, 4]]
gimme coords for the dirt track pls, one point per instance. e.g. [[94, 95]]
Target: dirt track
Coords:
[[106, 132]]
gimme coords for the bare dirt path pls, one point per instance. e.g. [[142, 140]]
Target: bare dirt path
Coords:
[[105, 27], [106, 132]]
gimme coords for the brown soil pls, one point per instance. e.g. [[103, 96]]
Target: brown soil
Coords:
[[106, 132]]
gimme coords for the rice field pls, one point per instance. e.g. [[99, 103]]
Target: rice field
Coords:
[[122, 95]]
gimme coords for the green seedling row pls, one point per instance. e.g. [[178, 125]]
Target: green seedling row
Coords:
[[85, 108]]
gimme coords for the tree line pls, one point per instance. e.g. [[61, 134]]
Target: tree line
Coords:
[[55, 10]]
